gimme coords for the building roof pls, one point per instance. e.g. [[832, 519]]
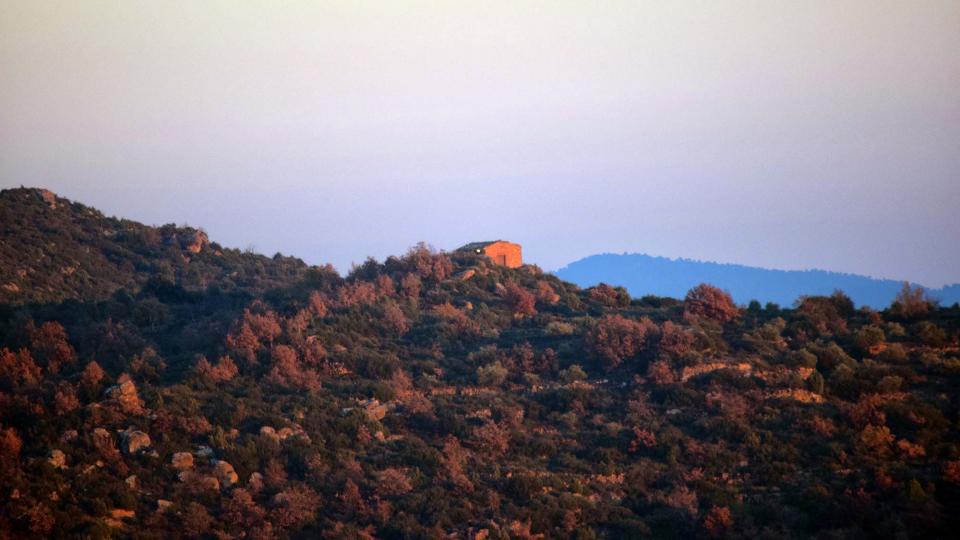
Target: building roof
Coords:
[[473, 246]]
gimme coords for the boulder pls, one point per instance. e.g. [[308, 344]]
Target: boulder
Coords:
[[124, 394], [58, 459], [210, 483], [116, 517], [134, 441], [374, 410], [103, 441], [196, 242], [255, 483], [269, 433], [48, 197], [120, 513], [225, 473], [182, 461]]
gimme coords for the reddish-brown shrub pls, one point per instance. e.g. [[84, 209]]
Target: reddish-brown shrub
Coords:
[[452, 462], [675, 340], [492, 438], [224, 371], [10, 446], [287, 372], [427, 263], [717, 521], [18, 368], [546, 294], [394, 319], [50, 346], [521, 301], [661, 373], [709, 302], [392, 482], [609, 296], [65, 400], [615, 338], [92, 374]]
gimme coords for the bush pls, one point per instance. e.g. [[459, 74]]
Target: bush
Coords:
[[493, 374], [615, 338], [709, 302]]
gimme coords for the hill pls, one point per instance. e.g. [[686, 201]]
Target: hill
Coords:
[[439, 395], [644, 274], [52, 249]]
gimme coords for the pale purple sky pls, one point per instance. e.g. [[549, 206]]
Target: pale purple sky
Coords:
[[793, 134]]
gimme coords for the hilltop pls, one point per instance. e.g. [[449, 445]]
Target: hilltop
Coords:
[[644, 274], [440, 395], [52, 249]]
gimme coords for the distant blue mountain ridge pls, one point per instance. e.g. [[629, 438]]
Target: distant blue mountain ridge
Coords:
[[644, 274]]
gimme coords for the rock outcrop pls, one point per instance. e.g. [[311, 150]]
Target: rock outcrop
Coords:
[[182, 461], [134, 441], [197, 242], [270, 433], [124, 395], [58, 459], [225, 473]]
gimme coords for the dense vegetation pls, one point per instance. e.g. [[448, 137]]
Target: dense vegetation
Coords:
[[52, 250], [438, 395]]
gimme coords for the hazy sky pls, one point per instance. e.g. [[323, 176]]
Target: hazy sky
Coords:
[[790, 134]]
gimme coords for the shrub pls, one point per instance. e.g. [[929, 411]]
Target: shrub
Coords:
[[711, 303], [615, 338]]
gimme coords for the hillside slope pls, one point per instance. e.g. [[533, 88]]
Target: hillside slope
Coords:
[[438, 395], [644, 274], [52, 249]]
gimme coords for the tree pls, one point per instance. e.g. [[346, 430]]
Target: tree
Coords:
[[493, 374], [10, 446], [294, 507], [709, 302], [615, 338], [393, 482], [241, 511], [911, 302], [17, 369], [452, 461], [610, 296], [65, 400], [868, 338], [427, 263], [675, 340], [546, 294], [195, 520], [224, 371], [50, 346], [492, 438], [287, 372], [92, 374], [318, 305], [521, 301], [717, 521], [394, 320]]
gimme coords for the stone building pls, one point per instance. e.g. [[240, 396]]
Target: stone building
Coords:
[[500, 251]]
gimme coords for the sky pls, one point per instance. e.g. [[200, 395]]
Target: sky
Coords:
[[782, 134]]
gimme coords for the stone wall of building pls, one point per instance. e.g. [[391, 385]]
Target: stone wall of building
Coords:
[[506, 253]]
